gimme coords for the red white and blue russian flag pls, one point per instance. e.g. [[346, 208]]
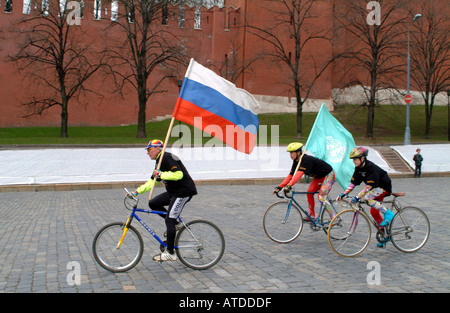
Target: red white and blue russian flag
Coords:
[[218, 107]]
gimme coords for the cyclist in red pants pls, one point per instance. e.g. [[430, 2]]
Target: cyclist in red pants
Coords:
[[321, 171]]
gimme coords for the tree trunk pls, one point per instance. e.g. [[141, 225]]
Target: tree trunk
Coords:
[[64, 120], [372, 101], [428, 113], [141, 133], [299, 125], [142, 98], [370, 118], [64, 108], [299, 110]]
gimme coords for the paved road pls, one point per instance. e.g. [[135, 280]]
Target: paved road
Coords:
[[42, 232]]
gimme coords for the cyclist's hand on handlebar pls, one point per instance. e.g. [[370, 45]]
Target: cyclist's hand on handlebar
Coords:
[[342, 195], [276, 190], [355, 200], [287, 189], [134, 193]]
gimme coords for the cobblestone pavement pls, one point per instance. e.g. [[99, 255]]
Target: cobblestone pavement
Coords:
[[41, 233]]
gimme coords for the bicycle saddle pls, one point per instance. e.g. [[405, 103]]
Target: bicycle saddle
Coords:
[[398, 194]]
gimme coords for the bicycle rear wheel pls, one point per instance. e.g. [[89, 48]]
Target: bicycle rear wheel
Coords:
[[349, 233], [200, 245], [409, 229], [111, 258], [281, 223]]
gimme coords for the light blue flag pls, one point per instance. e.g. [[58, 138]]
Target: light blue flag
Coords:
[[331, 142]]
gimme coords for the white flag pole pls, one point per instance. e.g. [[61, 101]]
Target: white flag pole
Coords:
[[298, 165]]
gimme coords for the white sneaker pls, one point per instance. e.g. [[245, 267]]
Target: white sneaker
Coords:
[[165, 256]]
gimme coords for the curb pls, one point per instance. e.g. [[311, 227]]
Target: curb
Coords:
[[134, 184]]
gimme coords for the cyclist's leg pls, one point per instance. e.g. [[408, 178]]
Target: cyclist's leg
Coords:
[[374, 212], [157, 203], [325, 189], [374, 204], [176, 206], [313, 187], [376, 215]]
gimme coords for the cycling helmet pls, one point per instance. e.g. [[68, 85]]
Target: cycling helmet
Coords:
[[359, 152], [295, 146], [155, 143]]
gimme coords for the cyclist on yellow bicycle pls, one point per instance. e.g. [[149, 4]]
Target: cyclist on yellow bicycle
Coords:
[[321, 171], [378, 185]]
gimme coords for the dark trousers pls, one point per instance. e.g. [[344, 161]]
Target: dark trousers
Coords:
[[418, 171], [176, 205]]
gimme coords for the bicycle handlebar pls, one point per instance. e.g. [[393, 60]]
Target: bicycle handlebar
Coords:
[[286, 194], [278, 195], [129, 195], [292, 193], [355, 206]]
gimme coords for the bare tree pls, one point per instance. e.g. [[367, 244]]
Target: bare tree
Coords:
[[430, 53], [146, 47], [297, 21], [57, 55], [372, 54]]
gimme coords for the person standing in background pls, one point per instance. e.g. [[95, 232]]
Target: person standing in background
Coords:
[[418, 161]]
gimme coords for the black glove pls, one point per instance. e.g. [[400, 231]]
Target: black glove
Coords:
[[277, 189], [287, 189]]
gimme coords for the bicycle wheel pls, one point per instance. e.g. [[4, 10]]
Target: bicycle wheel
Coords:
[[349, 233], [281, 223], [104, 248], [200, 245], [329, 212], [409, 229]]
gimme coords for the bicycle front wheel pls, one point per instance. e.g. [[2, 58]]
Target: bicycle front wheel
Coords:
[[283, 223], [409, 229], [349, 233], [330, 211], [109, 255], [200, 245]]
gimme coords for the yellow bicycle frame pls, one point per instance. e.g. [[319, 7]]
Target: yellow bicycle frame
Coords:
[[125, 230]]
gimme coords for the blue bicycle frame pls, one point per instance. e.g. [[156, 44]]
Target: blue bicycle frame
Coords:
[[134, 215], [314, 220]]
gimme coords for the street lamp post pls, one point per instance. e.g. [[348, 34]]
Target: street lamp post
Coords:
[[407, 140], [448, 112]]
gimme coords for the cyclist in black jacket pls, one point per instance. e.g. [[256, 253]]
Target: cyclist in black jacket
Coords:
[[378, 185], [321, 172], [180, 188]]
